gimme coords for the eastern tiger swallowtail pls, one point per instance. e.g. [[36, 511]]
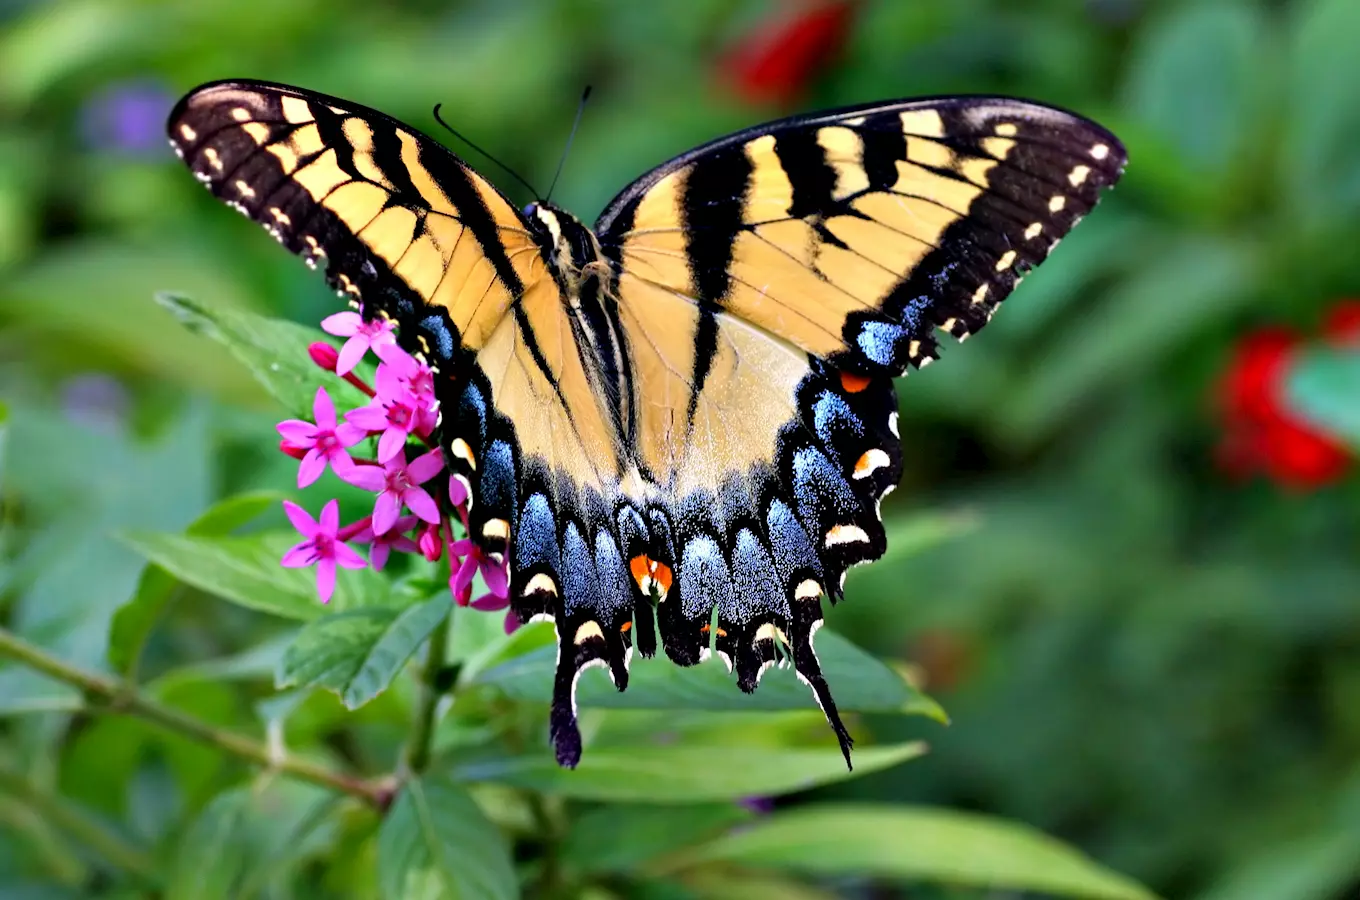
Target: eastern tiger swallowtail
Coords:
[[685, 416]]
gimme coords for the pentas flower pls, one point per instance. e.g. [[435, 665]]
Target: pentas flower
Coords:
[[323, 441], [322, 547], [381, 544], [363, 336], [414, 511], [1261, 433], [398, 484], [392, 417]]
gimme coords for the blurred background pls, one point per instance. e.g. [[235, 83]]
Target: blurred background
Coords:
[[1146, 624]]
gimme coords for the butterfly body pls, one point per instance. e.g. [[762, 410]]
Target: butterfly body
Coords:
[[683, 420]]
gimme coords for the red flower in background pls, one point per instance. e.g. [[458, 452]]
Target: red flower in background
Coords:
[[1262, 433], [775, 63]]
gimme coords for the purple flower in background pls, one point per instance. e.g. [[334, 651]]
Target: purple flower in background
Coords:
[[128, 117], [96, 400], [322, 546], [325, 441], [363, 336], [398, 484]]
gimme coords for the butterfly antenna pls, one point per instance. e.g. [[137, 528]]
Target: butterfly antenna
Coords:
[[580, 108], [509, 171]]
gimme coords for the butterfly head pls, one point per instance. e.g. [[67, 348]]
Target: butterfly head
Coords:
[[565, 239]]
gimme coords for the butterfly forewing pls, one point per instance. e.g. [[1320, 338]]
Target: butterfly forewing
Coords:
[[396, 220], [855, 234]]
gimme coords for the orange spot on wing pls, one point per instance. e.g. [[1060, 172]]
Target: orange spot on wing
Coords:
[[662, 573], [644, 567], [852, 383], [640, 568], [625, 626]]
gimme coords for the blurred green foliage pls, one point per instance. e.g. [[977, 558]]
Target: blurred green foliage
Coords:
[[1141, 655]]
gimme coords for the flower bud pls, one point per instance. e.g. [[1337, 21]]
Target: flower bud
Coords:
[[324, 355], [292, 450], [431, 547]]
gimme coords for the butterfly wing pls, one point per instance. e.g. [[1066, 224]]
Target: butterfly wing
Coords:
[[408, 231], [770, 285]]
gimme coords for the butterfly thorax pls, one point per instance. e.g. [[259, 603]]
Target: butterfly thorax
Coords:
[[570, 246]]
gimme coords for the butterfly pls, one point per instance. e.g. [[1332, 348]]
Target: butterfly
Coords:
[[682, 419]]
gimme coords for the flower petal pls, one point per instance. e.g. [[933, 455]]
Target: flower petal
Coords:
[[325, 579], [511, 622], [330, 518], [348, 557], [377, 554], [385, 512], [461, 582], [391, 443], [298, 555], [311, 467], [422, 504], [351, 353], [297, 432], [342, 324], [347, 434], [425, 466], [323, 410], [489, 603], [389, 383], [458, 490], [401, 364], [497, 582], [362, 475], [301, 519], [370, 418]]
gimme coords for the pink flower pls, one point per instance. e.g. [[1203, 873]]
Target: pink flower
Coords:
[[321, 548], [398, 484], [393, 417], [395, 538], [325, 442], [362, 337], [411, 374], [493, 571]]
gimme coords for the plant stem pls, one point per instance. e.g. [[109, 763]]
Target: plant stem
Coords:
[[85, 829], [120, 696], [422, 737]]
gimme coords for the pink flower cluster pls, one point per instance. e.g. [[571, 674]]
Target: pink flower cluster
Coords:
[[417, 503]]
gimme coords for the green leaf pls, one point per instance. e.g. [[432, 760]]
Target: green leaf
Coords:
[[274, 350], [1196, 77], [105, 314], [685, 773], [246, 571], [1191, 283], [623, 839], [356, 654], [133, 621], [244, 835], [860, 681], [435, 844], [1324, 386], [1321, 159], [917, 844]]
